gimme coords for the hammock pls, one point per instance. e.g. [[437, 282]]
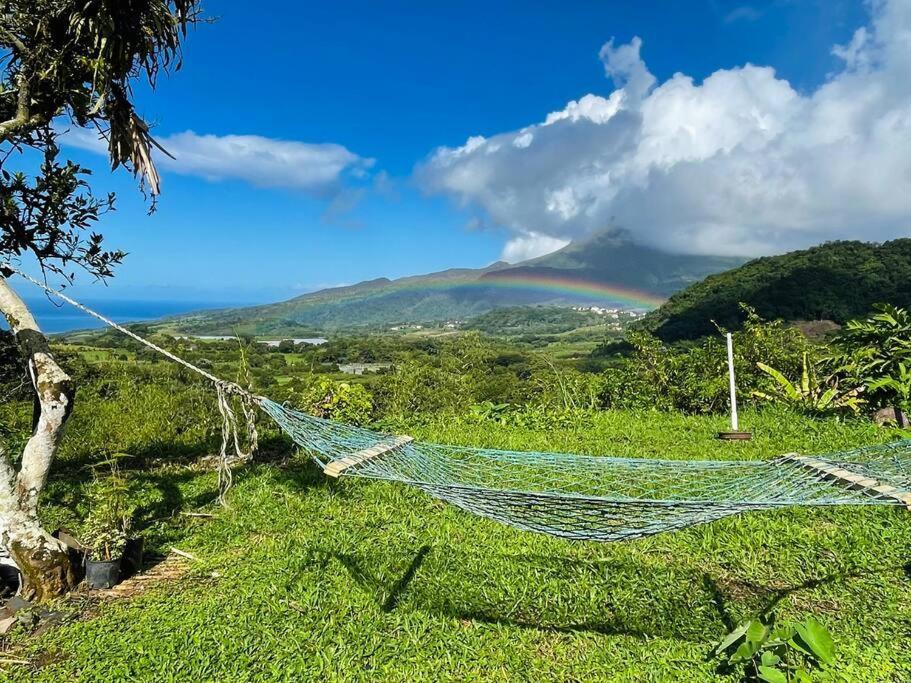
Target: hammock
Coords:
[[600, 498], [570, 496]]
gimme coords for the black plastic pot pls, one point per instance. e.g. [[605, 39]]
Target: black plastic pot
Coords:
[[10, 578], [102, 574]]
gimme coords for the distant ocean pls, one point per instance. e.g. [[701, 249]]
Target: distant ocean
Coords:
[[64, 318]]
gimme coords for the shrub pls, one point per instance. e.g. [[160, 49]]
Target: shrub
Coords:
[[332, 400], [559, 388], [875, 353], [777, 653], [693, 378]]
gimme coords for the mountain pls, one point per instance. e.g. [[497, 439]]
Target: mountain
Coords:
[[606, 270], [612, 260], [834, 281]]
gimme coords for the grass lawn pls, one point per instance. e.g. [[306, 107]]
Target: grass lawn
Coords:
[[304, 578]]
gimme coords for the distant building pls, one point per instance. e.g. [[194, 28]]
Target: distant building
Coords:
[[273, 343], [361, 368], [312, 341], [597, 310]]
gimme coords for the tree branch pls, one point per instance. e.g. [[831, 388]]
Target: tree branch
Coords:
[[14, 39], [54, 391], [23, 118]]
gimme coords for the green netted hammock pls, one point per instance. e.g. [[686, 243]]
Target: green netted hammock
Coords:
[[577, 496], [601, 498]]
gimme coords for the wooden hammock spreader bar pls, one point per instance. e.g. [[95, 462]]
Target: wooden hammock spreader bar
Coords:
[[337, 467], [852, 480]]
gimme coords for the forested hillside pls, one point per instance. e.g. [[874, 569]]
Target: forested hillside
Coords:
[[834, 281], [533, 320]]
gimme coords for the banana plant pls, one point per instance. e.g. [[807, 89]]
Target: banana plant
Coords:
[[809, 392]]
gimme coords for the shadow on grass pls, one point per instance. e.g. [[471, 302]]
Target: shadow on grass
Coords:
[[770, 597], [168, 481], [617, 597], [388, 599], [273, 448], [273, 459]]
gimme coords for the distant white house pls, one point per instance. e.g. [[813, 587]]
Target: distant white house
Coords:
[[598, 310], [312, 341], [361, 368]]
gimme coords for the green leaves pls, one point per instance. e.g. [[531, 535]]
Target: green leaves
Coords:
[[876, 353], [334, 400], [817, 640], [488, 410], [771, 674], [732, 637], [809, 393], [784, 383], [778, 653]]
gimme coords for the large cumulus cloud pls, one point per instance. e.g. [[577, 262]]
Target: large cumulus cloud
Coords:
[[740, 163]]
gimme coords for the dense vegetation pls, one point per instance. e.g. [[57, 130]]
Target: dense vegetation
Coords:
[[835, 281], [306, 578], [428, 374], [532, 319], [517, 321]]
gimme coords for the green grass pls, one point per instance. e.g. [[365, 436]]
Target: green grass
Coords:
[[309, 579]]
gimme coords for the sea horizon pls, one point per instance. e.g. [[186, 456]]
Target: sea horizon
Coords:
[[56, 318]]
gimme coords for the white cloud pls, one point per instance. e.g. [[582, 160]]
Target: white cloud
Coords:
[[740, 163], [265, 162], [742, 13], [531, 245], [625, 68]]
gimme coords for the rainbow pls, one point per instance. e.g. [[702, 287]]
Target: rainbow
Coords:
[[573, 288]]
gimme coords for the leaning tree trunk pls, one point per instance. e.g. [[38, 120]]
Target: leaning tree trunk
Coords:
[[42, 559]]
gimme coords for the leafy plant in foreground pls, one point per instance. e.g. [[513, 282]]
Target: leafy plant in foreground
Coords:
[[777, 653], [809, 393]]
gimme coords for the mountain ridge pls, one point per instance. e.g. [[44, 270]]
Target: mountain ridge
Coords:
[[608, 264]]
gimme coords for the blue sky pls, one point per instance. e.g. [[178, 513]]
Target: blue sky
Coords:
[[361, 112]]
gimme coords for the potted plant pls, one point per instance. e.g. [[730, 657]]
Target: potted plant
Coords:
[[106, 530], [105, 540]]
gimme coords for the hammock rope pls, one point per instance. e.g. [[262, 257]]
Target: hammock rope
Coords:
[[231, 450], [577, 497]]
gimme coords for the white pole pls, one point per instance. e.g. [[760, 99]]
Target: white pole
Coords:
[[734, 426]]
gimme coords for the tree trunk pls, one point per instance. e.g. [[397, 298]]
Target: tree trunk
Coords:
[[42, 559]]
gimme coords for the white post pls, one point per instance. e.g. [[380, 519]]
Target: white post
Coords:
[[734, 426]]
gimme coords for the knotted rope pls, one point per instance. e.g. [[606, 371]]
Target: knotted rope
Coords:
[[231, 450]]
